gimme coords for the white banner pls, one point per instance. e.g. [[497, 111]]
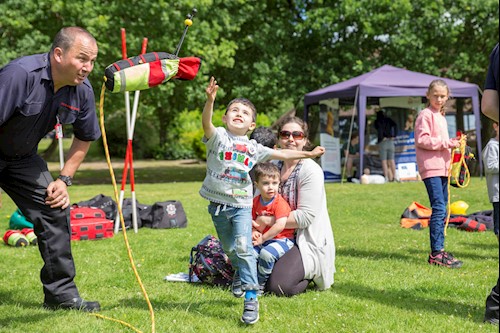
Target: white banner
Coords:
[[330, 160]]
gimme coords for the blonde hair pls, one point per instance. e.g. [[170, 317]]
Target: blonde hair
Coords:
[[432, 85]]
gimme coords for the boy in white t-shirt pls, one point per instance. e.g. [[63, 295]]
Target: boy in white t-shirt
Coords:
[[228, 187]]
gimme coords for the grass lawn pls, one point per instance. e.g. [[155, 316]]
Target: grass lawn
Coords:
[[383, 282]]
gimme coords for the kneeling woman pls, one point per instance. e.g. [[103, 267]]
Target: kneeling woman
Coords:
[[302, 186]]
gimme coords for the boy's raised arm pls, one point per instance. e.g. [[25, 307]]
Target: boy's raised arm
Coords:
[[289, 154], [208, 110]]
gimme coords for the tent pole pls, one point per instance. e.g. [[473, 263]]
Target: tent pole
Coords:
[[355, 108]]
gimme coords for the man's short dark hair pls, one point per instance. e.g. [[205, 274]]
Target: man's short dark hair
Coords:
[[66, 37], [265, 136]]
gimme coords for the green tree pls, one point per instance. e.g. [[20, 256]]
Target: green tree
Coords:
[[272, 52]]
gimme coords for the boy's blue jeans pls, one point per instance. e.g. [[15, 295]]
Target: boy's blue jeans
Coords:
[[437, 189], [234, 229]]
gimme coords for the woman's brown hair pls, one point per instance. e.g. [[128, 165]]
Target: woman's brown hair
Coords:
[[301, 123]]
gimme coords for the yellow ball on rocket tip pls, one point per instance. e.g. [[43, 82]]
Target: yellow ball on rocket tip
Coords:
[[188, 22]]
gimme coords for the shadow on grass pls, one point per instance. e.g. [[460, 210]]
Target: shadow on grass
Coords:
[[377, 255], [408, 300], [197, 306], [411, 255], [7, 299], [481, 246]]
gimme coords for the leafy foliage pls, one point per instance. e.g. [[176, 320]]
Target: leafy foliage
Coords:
[[145, 136], [272, 52], [184, 140]]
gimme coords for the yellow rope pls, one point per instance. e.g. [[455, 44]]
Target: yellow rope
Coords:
[[461, 148], [124, 323], [129, 251]]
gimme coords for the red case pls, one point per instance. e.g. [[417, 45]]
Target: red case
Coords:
[[93, 228], [89, 223], [77, 213]]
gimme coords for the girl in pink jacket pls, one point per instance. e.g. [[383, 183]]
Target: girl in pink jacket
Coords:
[[433, 148]]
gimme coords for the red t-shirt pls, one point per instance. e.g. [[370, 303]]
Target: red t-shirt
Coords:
[[278, 208]]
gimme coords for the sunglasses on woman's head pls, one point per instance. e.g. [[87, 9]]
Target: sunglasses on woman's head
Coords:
[[297, 135]]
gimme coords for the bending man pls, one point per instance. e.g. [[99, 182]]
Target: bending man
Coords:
[[36, 93]]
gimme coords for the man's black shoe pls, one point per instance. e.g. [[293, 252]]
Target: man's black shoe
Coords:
[[74, 304]]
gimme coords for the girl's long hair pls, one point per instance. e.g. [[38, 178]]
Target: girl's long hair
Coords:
[[438, 82]]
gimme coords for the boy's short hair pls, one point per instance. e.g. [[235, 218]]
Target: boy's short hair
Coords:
[[265, 136], [266, 169], [246, 102]]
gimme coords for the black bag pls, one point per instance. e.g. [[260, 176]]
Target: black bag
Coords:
[[127, 212], [209, 263], [167, 214], [103, 202], [146, 215]]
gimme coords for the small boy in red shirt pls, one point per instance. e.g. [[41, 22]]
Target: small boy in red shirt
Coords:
[[270, 242]]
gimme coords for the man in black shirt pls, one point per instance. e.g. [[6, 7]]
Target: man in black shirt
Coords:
[[489, 106], [38, 92]]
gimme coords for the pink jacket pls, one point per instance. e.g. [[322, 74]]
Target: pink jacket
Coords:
[[433, 144]]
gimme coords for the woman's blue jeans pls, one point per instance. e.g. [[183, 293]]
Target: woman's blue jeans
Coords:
[[234, 228], [437, 189]]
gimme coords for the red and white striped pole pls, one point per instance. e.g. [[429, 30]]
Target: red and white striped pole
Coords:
[[129, 146], [128, 162]]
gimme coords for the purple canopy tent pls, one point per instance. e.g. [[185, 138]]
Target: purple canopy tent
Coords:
[[389, 81]]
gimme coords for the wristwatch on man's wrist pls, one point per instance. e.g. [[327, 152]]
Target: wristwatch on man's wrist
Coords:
[[66, 179]]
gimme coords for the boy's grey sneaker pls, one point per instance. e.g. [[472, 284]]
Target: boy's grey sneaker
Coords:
[[262, 289], [250, 311], [236, 286]]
